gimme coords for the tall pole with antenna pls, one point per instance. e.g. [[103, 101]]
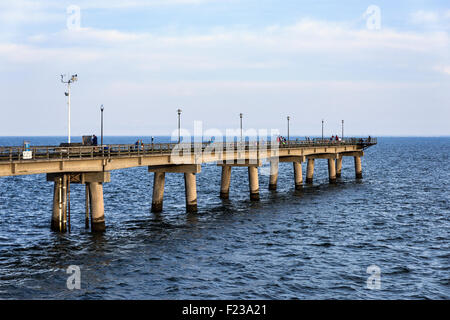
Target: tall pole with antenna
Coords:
[[72, 79]]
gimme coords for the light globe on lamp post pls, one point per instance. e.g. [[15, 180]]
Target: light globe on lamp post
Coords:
[[72, 79]]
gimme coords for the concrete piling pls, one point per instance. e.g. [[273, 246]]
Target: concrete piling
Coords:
[[57, 223], [338, 167], [310, 170], [332, 170], [225, 182], [97, 207], [253, 183], [358, 167], [158, 191], [191, 192], [273, 174], [86, 219], [298, 176]]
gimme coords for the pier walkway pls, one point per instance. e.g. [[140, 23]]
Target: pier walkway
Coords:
[[91, 165]]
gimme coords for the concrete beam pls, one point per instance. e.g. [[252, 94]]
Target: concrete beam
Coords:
[[352, 154], [182, 168], [82, 178], [246, 163], [297, 159], [324, 156]]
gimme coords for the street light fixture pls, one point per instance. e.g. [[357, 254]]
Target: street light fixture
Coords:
[[240, 115], [288, 118], [179, 125], [101, 109], [322, 130], [72, 79], [342, 137]]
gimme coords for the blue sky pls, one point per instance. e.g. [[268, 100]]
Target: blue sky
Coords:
[[143, 60]]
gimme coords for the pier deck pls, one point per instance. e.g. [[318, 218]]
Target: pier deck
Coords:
[[91, 165]]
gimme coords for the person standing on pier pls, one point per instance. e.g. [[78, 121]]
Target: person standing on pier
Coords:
[[94, 140]]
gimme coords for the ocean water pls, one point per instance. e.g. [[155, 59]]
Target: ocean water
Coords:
[[316, 243]]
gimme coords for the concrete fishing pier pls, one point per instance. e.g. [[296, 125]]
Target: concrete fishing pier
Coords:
[[91, 166]]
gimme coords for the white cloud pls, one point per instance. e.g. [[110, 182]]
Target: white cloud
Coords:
[[443, 69], [275, 48], [447, 14], [424, 17], [24, 11]]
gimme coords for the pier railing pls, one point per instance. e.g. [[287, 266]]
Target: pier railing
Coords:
[[39, 153]]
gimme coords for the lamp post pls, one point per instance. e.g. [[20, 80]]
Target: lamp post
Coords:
[[101, 109], [288, 118], [240, 115], [322, 130], [179, 125], [73, 78], [342, 137]]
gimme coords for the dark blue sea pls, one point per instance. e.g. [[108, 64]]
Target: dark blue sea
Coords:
[[316, 243]]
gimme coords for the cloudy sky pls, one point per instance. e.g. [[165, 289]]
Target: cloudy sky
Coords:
[[382, 66]]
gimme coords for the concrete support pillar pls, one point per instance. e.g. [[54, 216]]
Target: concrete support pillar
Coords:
[[310, 171], [338, 167], [59, 206], [158, 191], [298, 177], [254, 183], [358, 168], [191, 192], [86, 219], [225, 183], [332, 170], [97, 207], [273, 174]]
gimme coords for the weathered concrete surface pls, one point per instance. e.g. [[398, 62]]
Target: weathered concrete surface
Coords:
[[225, 182], [254, 183], [158, 191]]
